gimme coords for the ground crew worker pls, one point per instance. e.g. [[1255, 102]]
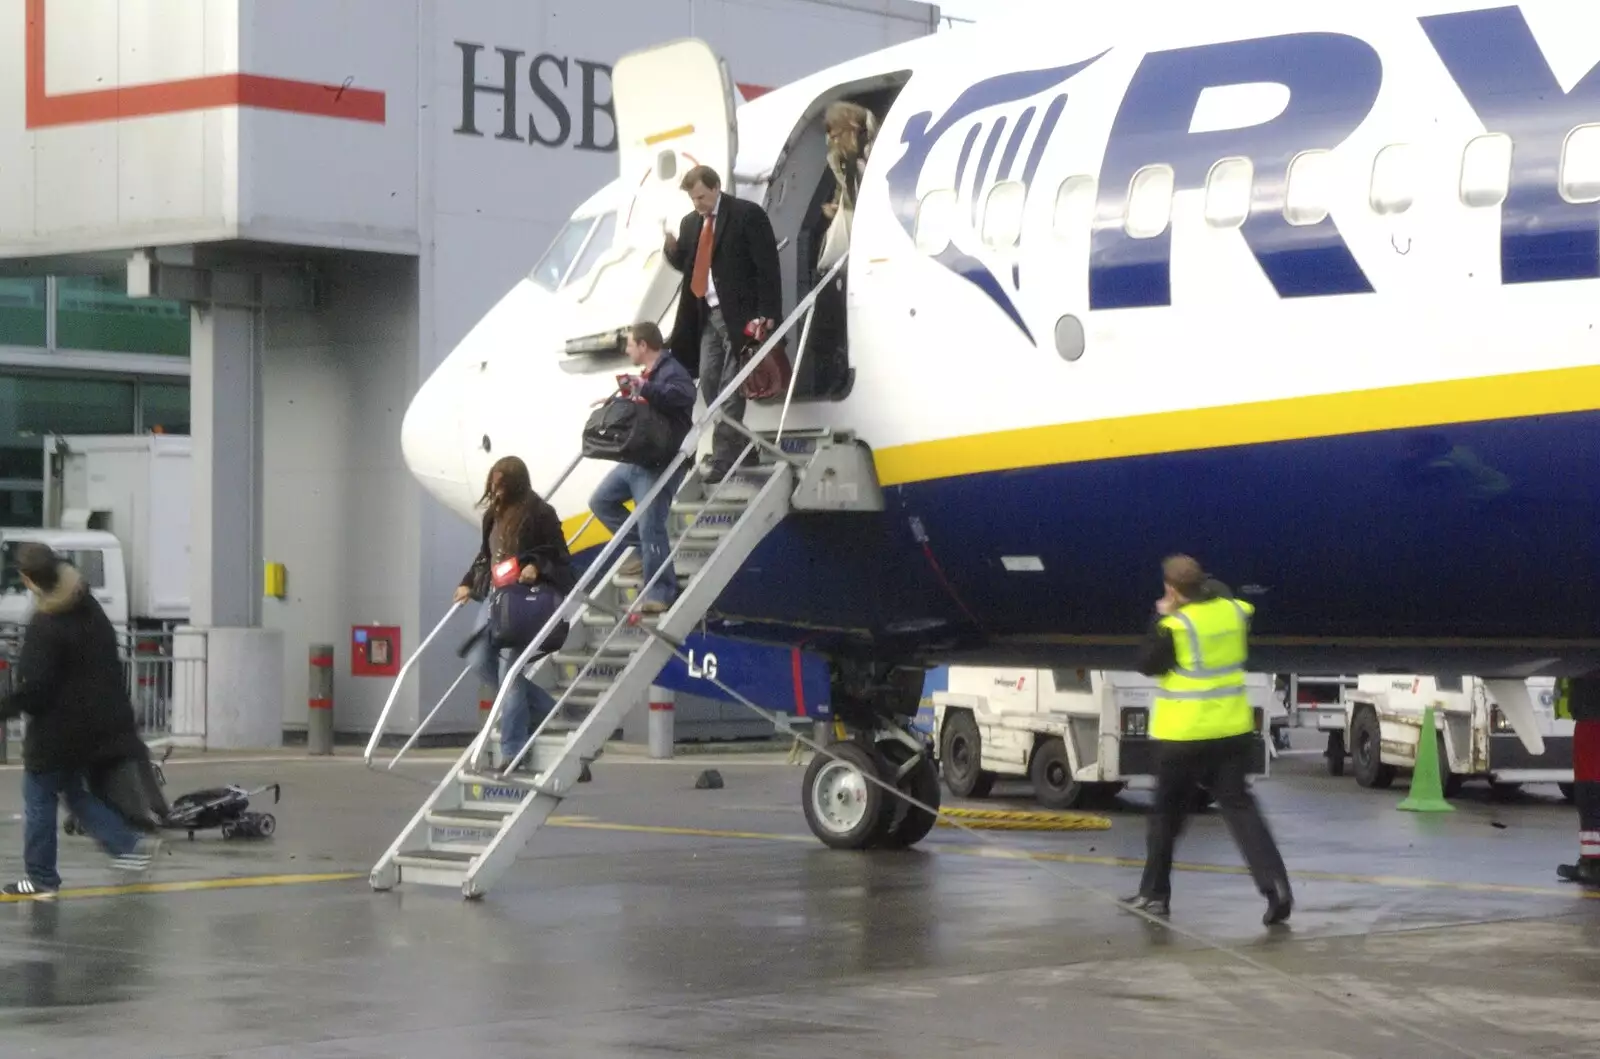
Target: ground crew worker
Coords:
[[1579, 699], [1203, 725]]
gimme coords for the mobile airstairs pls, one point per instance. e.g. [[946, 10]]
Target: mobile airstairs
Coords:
[[477, 820]]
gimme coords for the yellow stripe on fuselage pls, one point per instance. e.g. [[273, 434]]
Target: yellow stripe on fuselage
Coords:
[[1326, 415], [1261, 422]]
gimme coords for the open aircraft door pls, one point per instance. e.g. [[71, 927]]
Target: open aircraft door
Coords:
[[674, 109]]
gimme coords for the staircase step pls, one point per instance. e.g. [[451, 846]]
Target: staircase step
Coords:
[[468, 818], [607, 668], [431, 867]]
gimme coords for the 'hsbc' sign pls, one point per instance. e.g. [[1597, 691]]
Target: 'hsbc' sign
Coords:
[[547, 120]]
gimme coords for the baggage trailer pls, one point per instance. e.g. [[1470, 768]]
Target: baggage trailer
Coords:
[[1076, 734], [1501, 731]]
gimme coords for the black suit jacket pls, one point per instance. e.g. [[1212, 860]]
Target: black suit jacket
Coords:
[[744, 267]]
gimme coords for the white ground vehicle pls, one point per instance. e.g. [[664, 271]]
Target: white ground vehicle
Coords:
[[117, 507], [1485, 730], [1075, 733]]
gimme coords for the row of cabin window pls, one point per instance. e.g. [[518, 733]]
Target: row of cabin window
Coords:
[[1485, 181]]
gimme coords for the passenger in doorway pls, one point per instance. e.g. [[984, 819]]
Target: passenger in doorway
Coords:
[[850, 131], [731, 291], [665, 385], [69, 682], [517, 522], [1203, 726]]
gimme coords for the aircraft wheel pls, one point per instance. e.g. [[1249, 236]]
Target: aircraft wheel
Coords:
[[908, 824], [961, 757], [1367, 752], [842, 808]]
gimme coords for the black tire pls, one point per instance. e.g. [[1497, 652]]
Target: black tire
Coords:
[[1449, 782], [908, 824], [1569, 792], [1051, 772], [1335, 753], [266, 824], [961, 757], [1366, 751], [1103, 795], [844, 813]]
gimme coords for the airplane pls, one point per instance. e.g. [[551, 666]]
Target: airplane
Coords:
[[1308, 292]]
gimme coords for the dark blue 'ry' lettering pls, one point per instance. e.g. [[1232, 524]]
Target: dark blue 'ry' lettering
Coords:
[[1333, 81], [1498, 65]]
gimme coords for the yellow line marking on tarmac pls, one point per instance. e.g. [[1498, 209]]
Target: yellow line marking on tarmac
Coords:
[[1391, 881], [192, 885]]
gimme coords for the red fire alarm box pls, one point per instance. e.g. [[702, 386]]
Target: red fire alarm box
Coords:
[[375, 650]]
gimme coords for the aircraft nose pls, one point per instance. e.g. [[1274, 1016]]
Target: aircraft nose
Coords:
[[430, 435]]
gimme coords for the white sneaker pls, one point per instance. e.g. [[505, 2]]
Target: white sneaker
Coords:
[[27, 888], [138, 862]]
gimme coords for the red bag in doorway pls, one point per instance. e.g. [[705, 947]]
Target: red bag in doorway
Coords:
[[772, 375]]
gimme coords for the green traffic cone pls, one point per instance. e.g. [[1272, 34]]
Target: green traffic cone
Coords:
[[1427, 793]]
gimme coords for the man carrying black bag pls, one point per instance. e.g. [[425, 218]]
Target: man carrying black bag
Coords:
[[81, 725], [661, 402]]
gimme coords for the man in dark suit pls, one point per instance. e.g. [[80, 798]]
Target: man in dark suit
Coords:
[[729, 259]]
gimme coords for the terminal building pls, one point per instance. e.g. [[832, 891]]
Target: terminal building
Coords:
[[263, 223]]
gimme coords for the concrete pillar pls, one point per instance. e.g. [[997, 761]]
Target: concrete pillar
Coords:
[[244, 667], [225, 563]]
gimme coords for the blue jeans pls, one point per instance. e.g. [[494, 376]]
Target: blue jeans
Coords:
[[40, 792], [628, 481], [517, 719]]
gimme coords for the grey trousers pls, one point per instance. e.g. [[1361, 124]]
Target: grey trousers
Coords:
[[718, 367]]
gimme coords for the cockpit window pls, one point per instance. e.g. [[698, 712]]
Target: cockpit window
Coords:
[[598, 243], [552, 267], [574, 253]]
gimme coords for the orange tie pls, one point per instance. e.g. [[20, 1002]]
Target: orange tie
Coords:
[[702, 260]]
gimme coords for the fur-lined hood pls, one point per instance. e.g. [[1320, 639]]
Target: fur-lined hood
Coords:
[[66, 594]]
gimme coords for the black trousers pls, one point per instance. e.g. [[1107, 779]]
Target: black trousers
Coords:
[[1221, 766]]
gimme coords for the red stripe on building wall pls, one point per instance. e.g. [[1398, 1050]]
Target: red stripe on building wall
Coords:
[[176, 97], [320, 704]]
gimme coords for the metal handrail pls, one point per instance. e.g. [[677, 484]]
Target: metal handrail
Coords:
[[602, 562], [594, 657], [400, 678]]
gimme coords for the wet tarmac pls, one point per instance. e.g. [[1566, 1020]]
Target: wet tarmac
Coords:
[[661, 920]]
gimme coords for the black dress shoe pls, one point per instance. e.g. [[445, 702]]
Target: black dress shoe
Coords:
[[1280, 902], [1155, 906], [1586, 872]]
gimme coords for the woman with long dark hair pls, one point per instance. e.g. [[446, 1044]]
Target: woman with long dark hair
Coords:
[[850, 129], [517, 524]]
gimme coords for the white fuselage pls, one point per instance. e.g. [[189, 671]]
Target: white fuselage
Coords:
[[1309, 294]]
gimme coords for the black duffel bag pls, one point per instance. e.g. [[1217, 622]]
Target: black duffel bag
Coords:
[[627, 431], [519, 611], [131, 786]]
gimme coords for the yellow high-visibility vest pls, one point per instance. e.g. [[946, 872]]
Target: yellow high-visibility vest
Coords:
[[1563, 699], [1204, 696]]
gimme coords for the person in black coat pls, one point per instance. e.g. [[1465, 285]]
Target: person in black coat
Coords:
[[518, 527], [69, 682], [730, 281]]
